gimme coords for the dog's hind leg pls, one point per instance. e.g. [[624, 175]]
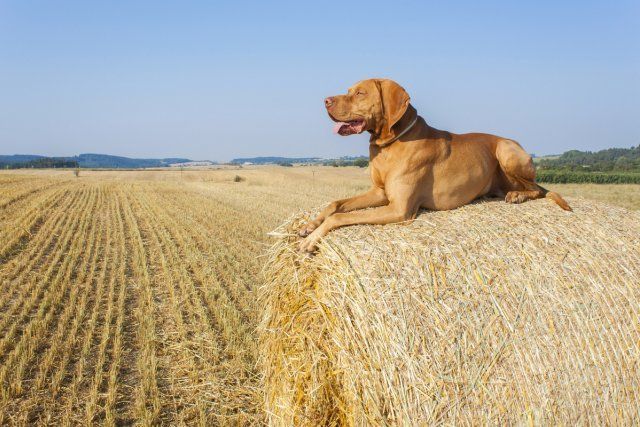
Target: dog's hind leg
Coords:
[[517, 173], [517, 176]]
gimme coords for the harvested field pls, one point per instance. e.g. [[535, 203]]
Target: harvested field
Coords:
[[130, 297], [488, 314], [106, 316]]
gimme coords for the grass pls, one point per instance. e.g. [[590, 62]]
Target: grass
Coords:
[[625, 195], [581, 177], [130, 296]]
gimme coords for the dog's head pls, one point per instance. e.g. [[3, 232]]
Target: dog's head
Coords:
[[373, 105]]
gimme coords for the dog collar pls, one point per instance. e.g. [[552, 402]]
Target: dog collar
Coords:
[[397, 137]]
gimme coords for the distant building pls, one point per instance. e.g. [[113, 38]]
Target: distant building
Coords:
[[194, 163]]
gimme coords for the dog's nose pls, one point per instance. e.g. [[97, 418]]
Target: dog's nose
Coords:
[[328, 102]]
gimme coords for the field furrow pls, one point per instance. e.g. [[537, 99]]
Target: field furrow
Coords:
[[39, 280], [189, 342], [115, 383], [28, 256], [146, 396], [23, 192], [78, 361], [48, 308], [42, 247], [213, 265], [113, 280], [21, 223], [53, 367]]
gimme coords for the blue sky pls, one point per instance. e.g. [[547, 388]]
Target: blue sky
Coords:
[[217, 80]]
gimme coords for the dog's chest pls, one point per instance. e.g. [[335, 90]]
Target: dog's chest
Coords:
[[380, 166], [388, 164]]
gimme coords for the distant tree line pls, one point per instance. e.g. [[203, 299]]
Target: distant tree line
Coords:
[[610, 166], [609, 160], [42, 163], [361, 162]]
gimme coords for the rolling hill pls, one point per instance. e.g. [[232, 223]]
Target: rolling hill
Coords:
[[87, 160]]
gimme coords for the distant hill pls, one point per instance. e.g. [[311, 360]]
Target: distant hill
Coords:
[[88, 160], [106, 161], [275, 160]]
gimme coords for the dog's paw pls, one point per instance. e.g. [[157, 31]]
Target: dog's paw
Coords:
[[307, 246], [307, 229], [515, 197], [310, 243]]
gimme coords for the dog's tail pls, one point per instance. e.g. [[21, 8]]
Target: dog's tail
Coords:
[[555, 197], [532, 185]]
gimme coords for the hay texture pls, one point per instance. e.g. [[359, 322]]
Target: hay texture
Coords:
[[488, 314]]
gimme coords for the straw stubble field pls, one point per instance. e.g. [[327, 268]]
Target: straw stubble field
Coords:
[[131, 296]]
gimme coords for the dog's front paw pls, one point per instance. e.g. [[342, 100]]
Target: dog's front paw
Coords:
[[310, 243], [307, 229]]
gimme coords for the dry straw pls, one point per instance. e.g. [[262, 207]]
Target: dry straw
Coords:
[[487, 314]]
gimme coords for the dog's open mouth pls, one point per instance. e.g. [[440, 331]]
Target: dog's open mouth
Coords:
[[349, 128]]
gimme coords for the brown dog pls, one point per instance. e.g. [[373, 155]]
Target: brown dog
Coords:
[[416, 166]]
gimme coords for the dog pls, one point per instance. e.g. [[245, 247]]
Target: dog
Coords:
[[414, 165]]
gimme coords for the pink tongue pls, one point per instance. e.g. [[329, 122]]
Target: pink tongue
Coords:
[[338, 125]]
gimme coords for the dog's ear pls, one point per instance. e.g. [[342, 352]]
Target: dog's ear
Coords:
[[395, 101]]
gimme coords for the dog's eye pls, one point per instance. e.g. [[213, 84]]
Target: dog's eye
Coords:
[[360, 93]]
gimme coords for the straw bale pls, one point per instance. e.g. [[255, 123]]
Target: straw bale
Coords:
[[491, 313]]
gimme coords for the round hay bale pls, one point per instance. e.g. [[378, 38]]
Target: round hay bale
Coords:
[[488, 314]]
